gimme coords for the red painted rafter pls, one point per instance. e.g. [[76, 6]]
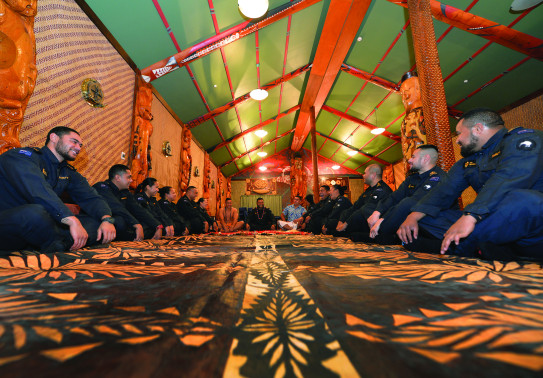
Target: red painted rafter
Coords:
[[263, 161], [500, 34], [352, 148], [340, 27], [380, 153], [254, 128], [376, 80], [197, 121], [358, 121], [204, 48], [256, 148]]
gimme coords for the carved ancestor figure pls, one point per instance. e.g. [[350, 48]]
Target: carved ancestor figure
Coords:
[[413, 130], [229, 188], [388, 177], [17, 67], [186, 161], [207, 176], [141, 135], [220, 190], [298, 178]]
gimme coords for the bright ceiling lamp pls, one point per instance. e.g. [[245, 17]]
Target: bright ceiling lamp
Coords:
[[261, 133], [335, 167], [521, 5], [263, 168], [258, 94], [377, 131], [262, 153], [352, 152], [253, 8]]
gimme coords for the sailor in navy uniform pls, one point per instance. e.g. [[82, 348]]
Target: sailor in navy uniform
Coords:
[[31, 211], [505, 168], [189, 210], [341, 204]]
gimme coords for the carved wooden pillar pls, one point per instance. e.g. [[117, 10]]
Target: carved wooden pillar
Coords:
[[207, 175], [388, 177], [298, 178], [17, 67], [434, 105], [314, 157], [229, 188], [142, 129], [220, 191], [185, 167], [413, 132]]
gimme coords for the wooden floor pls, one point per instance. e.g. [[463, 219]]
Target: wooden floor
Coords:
[[265, 306]]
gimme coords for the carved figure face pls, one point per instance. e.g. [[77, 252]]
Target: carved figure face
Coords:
[[27, 8], [410, 91]]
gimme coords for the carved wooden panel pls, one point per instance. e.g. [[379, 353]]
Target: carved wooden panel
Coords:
[[140, 154]]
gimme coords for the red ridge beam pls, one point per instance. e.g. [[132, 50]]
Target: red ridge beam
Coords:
[[218, 41]]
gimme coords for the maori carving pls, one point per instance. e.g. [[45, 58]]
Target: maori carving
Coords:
[[220, 193], [207, 176], [298, 178], [142, 129], [186, 161], [229, 188], [17, 67], [388, 176], [413, 130]]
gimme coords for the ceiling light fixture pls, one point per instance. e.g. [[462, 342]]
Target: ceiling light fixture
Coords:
[[258, 94], [261, 133], [262, 153], [352, 152], [377, 131], [262, 168], [253, 8], [522, 5], [335, 167]]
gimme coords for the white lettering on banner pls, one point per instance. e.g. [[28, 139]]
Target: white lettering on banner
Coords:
[[163, 71], [214, 46]]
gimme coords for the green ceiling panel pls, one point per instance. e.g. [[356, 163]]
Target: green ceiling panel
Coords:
[[510, 88], [227, 13], [399, 60], [286, 123], [341, 155], [292, 92], [283, 143], [244, 161], [377, 145], [328, 149], [206, 134], [303, 31], [376, 39], [370, 97], [393, 154], [220, 156], [269, 105], [356, 160], [149, 32], [228, 123], [238, 147], [272, 50], [209, 71], [229, 170], [396, 127], [362, 136], [531, 24], [344, 90], [320, 142], [344, 130], [249, 113], [456, 48], [241, 59], [389, 110], [325, 122], [190, 21], [187, 104]]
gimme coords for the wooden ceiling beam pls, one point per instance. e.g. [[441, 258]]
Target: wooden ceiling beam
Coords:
[[500, 34], [254, 128], [376, 80], [215, 112], [342, 22]]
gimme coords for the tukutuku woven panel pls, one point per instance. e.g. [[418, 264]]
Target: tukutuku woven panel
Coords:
[[70, 49]]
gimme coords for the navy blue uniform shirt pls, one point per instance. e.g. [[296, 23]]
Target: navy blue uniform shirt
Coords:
[[151, 204], [35, 176], [509, 160], [372, 195]]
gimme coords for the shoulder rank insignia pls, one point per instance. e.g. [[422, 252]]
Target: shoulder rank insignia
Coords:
[[25, 152], [526, 144], [495, 154], [436, 178], [524, 131], [433, 173], [411, 186], [71, 167], [470, 164], [44, 172]]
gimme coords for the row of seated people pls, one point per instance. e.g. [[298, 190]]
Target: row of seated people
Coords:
[[504, 167]]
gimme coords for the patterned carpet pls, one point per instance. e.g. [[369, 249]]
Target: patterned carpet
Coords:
[[266, 306]]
